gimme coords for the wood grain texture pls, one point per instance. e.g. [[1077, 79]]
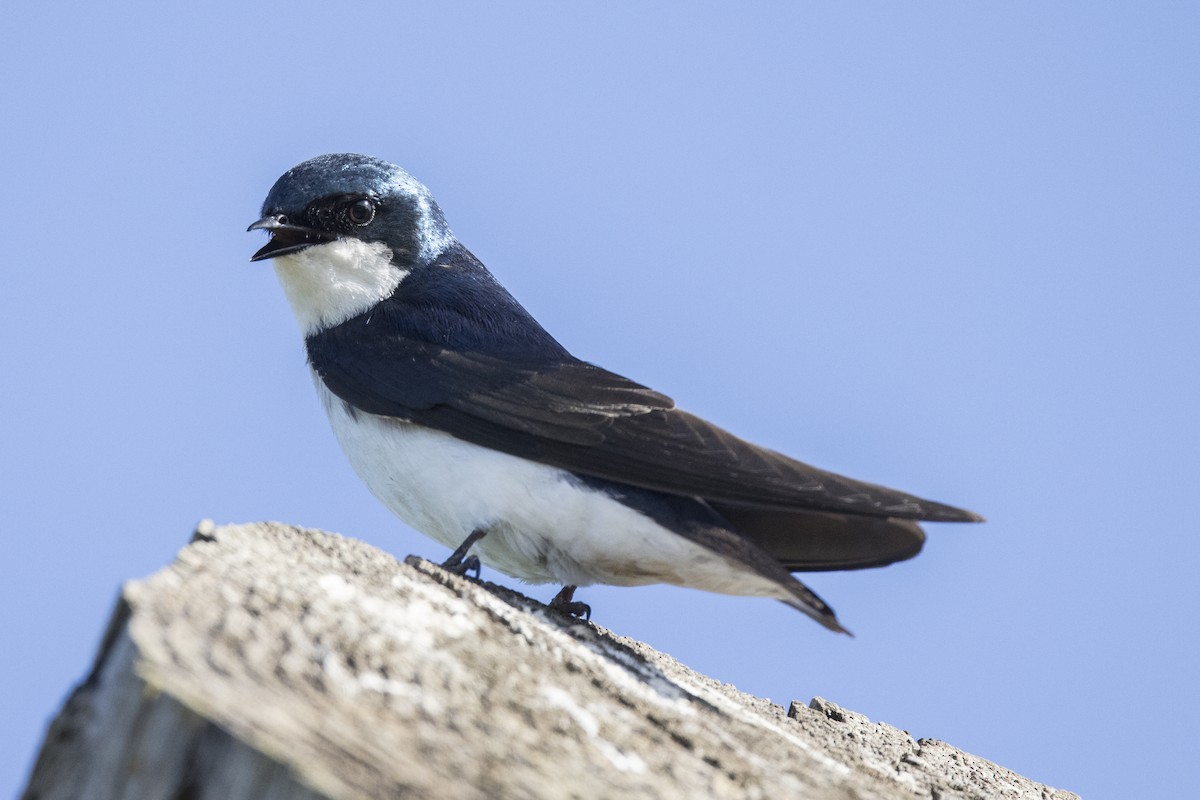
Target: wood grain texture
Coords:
[[270, 661]]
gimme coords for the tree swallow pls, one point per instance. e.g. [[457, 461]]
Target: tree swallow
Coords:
[[476, 427]]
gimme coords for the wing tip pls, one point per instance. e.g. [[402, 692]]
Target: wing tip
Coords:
[[836, 627], [933, 511], [963, 515], [827, 619], [809, 604]]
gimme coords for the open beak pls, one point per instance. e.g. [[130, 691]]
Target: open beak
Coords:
[[286, 238]]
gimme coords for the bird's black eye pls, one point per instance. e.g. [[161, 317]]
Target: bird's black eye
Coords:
[[361, 212]]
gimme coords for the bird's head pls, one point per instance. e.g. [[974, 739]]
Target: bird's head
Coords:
[[345, 230], [349, 196]]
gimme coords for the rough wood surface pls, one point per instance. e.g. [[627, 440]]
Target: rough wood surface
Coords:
[[275, 662]]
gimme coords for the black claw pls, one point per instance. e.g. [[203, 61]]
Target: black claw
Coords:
[[564, 603], [470, 564], [575, 609], [459, 562]]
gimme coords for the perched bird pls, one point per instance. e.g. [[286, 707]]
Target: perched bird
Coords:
[[474, 426]]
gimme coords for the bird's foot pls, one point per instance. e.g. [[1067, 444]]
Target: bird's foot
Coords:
[[564, 603], [459, 562], [463, 566]]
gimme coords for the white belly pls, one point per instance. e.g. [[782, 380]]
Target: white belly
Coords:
[[542, 525]]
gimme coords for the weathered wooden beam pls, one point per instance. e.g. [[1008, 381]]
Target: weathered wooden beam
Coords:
[[275, 662]]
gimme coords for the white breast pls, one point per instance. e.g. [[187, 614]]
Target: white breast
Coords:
[[543, 525]]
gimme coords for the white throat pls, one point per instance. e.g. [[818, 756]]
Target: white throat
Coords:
[[329, 283]]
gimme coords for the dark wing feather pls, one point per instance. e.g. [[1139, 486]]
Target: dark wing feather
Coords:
[[810, 541], [451, 349], [582, 418]]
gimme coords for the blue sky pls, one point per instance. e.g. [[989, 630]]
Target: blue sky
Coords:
[[945, 247]]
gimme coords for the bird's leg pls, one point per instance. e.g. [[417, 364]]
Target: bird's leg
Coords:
[[563, 602], [459, 562]]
